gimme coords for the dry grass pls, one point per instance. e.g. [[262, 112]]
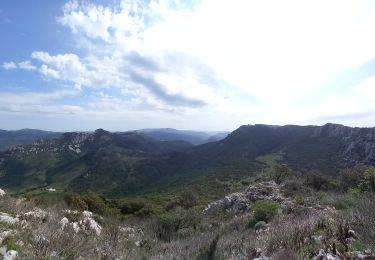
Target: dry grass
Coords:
[[294, 236]]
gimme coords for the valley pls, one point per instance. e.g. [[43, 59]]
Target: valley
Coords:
[[251, 186]]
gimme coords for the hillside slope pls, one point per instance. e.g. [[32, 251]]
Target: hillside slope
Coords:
[[129, 163], [326, 148], [194, 137], [79, 161], [9, 139]]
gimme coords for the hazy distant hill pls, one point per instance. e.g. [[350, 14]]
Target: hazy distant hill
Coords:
[[23, 136], [194, 137]]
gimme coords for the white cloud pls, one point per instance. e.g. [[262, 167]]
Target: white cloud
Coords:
[[34, 102], [67, 67], [98, 21], [242, 60], [276, 53], [9, 65], [26, 65]]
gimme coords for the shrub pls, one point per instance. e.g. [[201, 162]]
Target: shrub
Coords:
[[245, 183], [186, 200], [295, 186], [339, 201], [171, 222], [264, 210], [96, 203], [354, 191], [260, 225], [136, 207], [280, 173], [75, 201], [10, 243], [208, 253], [317, 181], [368, 181], [352, 177]]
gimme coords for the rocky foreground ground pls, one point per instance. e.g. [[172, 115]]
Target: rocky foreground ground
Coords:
[[30, 232]]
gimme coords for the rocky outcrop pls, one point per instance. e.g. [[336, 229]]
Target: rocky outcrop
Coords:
[[367, 254], [86, 223], [323, 255], [89, 223], [132, 234], [357, 255], [36, 214], [240, 202], [8, 219], [8, 255]]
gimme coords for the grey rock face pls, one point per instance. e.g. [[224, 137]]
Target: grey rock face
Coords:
[[240, 202]]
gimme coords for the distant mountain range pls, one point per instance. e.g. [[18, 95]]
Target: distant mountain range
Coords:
[[24, 136], [117, 164], [194, 137], [10, 139]]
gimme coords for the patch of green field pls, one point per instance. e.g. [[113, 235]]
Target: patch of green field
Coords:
[[270, 160]]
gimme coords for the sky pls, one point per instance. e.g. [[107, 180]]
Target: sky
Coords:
[[196, 64]]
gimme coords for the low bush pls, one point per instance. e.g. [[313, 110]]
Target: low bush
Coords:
[[90, 201], [264, 210], [260, 225], [368, 180], [317, 181], [351, 177], [97, 204], [186, 200], [138, 208], [75, 201], [10, 243], [171, 222]]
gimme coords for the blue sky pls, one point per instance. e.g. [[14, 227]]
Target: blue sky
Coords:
[[201, 64]]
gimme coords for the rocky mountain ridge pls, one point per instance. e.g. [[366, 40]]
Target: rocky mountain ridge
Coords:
[[132, 162]]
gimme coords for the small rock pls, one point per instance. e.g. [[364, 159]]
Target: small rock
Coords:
[[325, 256], [3, 250], [11, 255], [352, 233], [317, 238], [36, 214], [75, 227], [2, 193], [87, 214], [8, 219], [90, 224], [63, 222], [3, 235]]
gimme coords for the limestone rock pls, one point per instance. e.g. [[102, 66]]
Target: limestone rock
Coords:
[[8, 219], [36, 214], [240, 202], [90, 224]]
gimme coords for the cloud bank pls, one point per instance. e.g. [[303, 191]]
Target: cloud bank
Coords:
[[217, 64]]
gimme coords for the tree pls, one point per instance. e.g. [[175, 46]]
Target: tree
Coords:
[[317, 181], [352, 177], [280, 172], [368, 181]]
